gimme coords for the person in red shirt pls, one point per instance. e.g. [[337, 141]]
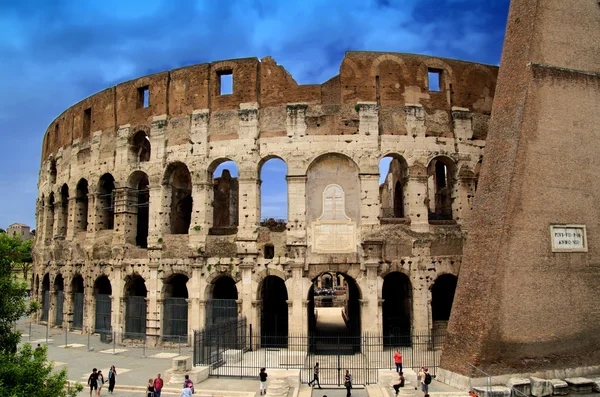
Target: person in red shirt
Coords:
[[398, 360], [158, 385]]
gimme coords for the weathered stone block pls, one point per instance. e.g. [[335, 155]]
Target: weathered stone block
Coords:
[[540, 387], [579, 385], [559, 387], [492, 391], [522, 385], [596, 385]]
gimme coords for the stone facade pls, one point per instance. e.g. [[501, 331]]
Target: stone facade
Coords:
[[20, 230], [128, 203]]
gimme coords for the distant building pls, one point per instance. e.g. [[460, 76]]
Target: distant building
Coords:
[[20, 230]]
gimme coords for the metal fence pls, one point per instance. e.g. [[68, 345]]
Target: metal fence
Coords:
[[135, 317], [233, 350], [77, 310], [60, 300], [45, 306], [221, 310], [175, 318], [103, 312]]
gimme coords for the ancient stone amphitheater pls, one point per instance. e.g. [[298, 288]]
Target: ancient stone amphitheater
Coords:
[[138, 235]]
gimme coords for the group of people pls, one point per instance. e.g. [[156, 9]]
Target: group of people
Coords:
[[155, 386], [423, 375], [96, 380]]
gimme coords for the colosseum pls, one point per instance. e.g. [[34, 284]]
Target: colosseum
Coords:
[[137, 233]]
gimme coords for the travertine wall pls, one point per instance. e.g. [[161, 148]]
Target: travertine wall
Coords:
[[379, 105]]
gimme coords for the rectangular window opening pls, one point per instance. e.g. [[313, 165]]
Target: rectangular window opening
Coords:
[[226, 82], [143, 97], [87, 122], [434, 77]]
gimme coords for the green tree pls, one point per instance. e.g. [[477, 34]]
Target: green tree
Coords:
[[27, 373], [24, 261], [23, 372]]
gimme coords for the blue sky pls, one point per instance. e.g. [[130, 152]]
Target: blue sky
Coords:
[[57, 52]]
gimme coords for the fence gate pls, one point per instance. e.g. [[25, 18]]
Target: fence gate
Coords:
[[60, 299], [46, 306], [77, 311], [103, 310], [135, 317], [175, 319]]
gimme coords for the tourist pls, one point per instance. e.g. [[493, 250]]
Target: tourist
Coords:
[[348, 383], [100, 382], [263, 381], [150, 388], [186, 392], [187, 383], [400, 383], [93, 381], [398, 360], [158, 385], [315, 376], [425, 380], [112, 378]]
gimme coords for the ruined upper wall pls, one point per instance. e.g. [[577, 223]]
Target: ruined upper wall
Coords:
[[392, 80]]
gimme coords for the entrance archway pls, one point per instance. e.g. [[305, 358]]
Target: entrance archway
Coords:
[[59, 288], [175, 313], [442, 296], [221, 306], [45, 297], [396, 308], [103, 292], [334, 324], [274, 312], [77, 299], [135, 310]]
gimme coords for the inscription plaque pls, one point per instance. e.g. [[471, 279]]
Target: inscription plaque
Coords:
[[568, 238], [333, 231]]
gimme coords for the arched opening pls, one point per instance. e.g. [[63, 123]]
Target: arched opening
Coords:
[[64, 210], [135, 310], [52, 172], [442, 297], [102, 293], [396, 309], [274, 312], [139, 205], [334, 323], [393, 177], [77, 298], [140, 147], [175, 313], [273, 192], [59, 291], [225, 198], [440, 184], [81, 206], [179, 184], [45, 297], [106, 203], [50, 216], [222, 303]]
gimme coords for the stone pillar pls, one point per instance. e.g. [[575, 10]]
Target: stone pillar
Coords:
[[157, 138], [368, 114], [255, 319], [154, 301], [463, 203], [296, 234], [68, 305], [249, 215], [123, 216], [421, 303], [157, 214], [202, 313], [369, 199], [48, 231], [123, 154], [195, 313], [92, 213], [118, 302], [72, 208], [416, 202], [58, 229], [89, 306], [246, 290], [370, 299], [199, 132], [202, 214], [297, 318], [415, 120], [296, 119], [52, 303], [463, 124]]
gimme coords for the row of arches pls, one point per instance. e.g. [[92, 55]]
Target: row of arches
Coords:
[[224, 205], [223, 304]]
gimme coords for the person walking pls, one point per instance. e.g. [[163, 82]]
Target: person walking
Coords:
[[112, 378], [150, 388], [187, 383], [316, 371], [348, 383], [186, 392], [398, 360], [263, 381], [158, 385], [400, 383], [100, 382], [425, 380], [93, 381]]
